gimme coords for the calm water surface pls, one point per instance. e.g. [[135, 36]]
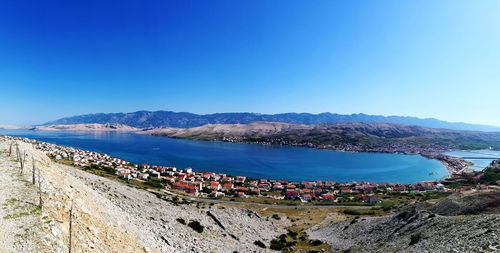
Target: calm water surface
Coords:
[[479, 164], [251, 160]]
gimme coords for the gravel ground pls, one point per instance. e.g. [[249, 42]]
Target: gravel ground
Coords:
[[23, 227], [421, 228], [111, 216], [160, 228]]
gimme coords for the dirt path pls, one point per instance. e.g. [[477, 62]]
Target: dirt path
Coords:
[[23, 228]]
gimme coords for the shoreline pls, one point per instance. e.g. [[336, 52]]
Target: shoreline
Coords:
[[443, 159], [453, 165]]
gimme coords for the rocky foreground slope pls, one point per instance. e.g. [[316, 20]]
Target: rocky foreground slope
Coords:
[[110, 216], [460, 223]]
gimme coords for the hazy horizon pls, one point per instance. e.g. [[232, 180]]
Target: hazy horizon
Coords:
[[422, 59]]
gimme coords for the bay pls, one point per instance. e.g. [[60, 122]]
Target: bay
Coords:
[[250, 160]]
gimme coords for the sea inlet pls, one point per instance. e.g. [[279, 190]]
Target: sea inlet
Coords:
[[250, 160]]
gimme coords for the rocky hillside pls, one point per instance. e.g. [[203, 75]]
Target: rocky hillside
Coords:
[[87, 127], [109, 216], [460, 223], [157, 119], [336, 134]]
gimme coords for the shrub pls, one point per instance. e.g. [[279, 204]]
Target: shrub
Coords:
[[260, 244], [352, 211], [292, 234], [277, 244], [196, 226], [181, 221], [387, 205], [109, 170], [276, 217], [415, 238], [154, 183], [315, 242]]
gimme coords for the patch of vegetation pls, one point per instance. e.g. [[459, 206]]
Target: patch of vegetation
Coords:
[[292, 234], [354, 220], [387, 205], [179, 201], [285, 242], [435, 195], [10, 202], [491, 175], [276, 217], [155, 183], [35, 210], [260, 244], [415, 238], [277, 244], [196, 226], [353, 211], [106, 169], [315, 242], [181, 221]]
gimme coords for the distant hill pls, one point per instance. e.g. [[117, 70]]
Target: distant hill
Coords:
[[365, 135], [157, 119]]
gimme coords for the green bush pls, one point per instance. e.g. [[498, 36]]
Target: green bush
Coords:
[[353, 211], [109, 170], [415, 238], [277, 244], [292, 234], [260, 244], [181, 221], [315, 242], [154, 183], [196, 226], [491, 175]]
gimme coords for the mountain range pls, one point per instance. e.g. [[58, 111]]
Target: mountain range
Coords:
[[161, 119]]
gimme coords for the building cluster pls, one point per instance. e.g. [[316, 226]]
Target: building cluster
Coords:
[[211, 184], [399, 147]]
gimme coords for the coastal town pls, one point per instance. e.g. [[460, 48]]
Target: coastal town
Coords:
[[219, 185]]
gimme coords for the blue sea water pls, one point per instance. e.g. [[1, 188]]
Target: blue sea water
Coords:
[[251, 160], [478, 164]]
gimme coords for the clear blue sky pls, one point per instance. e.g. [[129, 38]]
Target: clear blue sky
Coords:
[[419, 58]]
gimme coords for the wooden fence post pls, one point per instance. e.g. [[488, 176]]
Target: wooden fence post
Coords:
[[70, 226], [40, 203], [33, 169], [22, 160]]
